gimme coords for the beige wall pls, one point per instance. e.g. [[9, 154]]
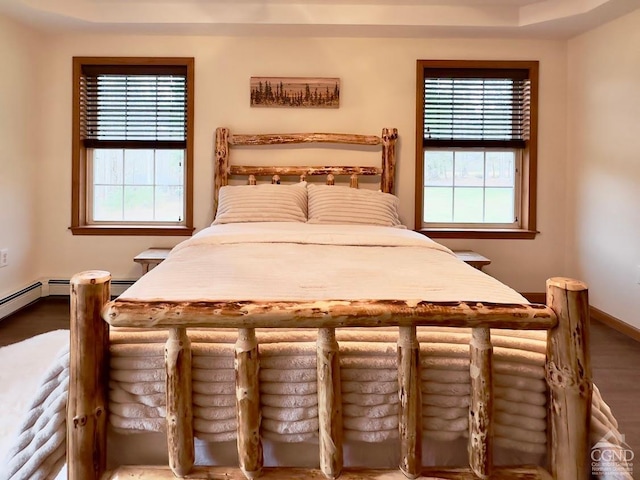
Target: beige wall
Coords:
[[18, 155], [603, 241], [378, 89]]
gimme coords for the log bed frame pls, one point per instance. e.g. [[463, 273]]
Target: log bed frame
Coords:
[[565, 317]]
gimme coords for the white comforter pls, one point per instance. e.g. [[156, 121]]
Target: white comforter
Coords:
[[297, 262]]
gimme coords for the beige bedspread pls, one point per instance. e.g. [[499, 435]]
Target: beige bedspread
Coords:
[[304, 262]]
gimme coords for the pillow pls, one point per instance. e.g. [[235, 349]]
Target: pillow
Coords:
[[346, 205], [262, 203]]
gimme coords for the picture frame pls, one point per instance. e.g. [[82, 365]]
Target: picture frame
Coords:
[[295, 92]]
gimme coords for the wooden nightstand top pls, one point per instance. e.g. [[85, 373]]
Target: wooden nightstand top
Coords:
[[151, 257], [472, 258]]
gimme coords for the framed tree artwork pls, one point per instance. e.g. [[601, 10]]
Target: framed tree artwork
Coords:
[[304, 92]]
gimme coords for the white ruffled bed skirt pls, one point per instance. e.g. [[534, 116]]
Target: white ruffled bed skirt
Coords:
[[37, 450]]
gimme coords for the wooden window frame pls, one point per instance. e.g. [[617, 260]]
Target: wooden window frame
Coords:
[[79, 175], [528, 187]]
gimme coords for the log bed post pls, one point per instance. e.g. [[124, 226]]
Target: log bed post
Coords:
[[329, 403], [410, 394], [481, 408], [88, 377], [177, 357], [389, 137], [221, 174], [248, 403], [569, 379]]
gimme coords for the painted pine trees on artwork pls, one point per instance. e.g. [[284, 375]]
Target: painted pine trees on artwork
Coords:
[[295, 92]]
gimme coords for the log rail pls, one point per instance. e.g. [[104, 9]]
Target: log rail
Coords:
[[568, 369]]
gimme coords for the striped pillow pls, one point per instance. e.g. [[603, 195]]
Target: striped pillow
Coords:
[[345, 205], [262, 203]]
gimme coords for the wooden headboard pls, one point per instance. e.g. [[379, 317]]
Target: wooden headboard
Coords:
[[225, 140]]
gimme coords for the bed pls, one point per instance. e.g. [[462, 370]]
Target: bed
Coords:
[[307, 319]]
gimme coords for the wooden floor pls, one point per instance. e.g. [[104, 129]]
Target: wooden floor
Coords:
[[615, 359], [48, 313]]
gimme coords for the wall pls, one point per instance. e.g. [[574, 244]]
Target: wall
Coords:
[[18, 155], [603, 241], [378, 90]]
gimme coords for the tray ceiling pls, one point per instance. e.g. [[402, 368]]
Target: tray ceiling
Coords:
[[403, 18]]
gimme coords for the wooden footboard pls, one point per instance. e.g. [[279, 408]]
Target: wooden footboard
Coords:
[[568, 376]]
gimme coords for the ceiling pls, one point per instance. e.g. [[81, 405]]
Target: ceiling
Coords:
[[357, 18]]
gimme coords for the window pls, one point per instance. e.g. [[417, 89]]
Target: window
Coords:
[[476, 148], [132, 146]]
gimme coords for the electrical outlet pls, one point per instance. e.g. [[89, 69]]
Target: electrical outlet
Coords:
[[4, 257]]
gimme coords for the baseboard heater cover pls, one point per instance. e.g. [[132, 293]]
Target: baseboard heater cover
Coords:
[[61, 286], [20, 299]]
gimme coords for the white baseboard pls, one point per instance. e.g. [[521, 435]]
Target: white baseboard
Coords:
[[44, 288], [20, 299]]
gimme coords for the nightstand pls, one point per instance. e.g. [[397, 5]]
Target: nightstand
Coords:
[[151, 257], [472, 258]]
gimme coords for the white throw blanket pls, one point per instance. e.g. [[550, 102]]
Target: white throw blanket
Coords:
[[33, 404]]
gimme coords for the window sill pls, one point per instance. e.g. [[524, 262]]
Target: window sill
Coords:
[[475, 233], [139, 230]]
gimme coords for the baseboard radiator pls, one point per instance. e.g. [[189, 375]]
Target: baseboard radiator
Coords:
[[20, 299], [29, 294], [61, 287]]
